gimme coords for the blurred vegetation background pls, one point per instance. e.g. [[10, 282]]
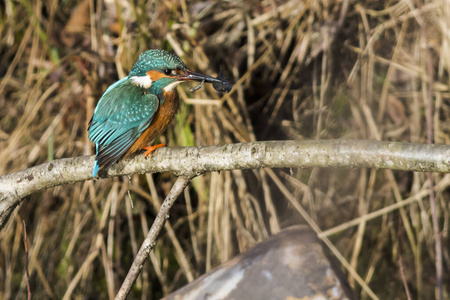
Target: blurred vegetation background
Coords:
[[302, 70]]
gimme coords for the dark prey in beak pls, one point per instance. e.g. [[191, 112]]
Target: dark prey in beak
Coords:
[[220, 84], [224, 85]]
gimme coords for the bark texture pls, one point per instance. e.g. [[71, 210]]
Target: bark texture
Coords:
[[191, 161]]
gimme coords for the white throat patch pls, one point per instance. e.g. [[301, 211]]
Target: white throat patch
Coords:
[[142, 81], [171, 86]]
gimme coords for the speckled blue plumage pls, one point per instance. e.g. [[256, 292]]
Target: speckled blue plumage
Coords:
[[122, 114], [156, 60]]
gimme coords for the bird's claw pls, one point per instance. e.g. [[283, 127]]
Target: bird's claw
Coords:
[[150, 149]]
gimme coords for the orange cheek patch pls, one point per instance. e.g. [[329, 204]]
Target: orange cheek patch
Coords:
[[155, 75]]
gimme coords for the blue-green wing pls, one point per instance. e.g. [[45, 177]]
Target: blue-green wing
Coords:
[[121, 116]]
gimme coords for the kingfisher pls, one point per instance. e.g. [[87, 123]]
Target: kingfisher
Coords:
[[138, 108]]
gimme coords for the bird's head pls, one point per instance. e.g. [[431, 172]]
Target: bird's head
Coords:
[[161, 71]]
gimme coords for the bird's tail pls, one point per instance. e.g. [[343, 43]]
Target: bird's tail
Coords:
[[96, 167]]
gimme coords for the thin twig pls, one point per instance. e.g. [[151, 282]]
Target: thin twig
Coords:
[[26, 259], [150, 239], [433, 205], [400, 260]]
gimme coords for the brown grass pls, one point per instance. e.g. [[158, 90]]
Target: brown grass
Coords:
[[302, 70]]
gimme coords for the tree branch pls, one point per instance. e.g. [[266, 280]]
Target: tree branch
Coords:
[[189, 161], [152, 235]]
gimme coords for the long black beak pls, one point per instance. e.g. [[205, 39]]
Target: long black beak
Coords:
[[190, 75], [220, 84]]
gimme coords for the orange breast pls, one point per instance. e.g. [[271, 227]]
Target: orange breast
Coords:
[[165, 114]]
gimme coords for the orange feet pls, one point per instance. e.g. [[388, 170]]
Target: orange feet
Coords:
[[150, 149]]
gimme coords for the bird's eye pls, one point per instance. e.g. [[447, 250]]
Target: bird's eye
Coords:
[[167, 72]]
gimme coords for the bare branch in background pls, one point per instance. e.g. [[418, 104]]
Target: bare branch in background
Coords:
[[150, 239]]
